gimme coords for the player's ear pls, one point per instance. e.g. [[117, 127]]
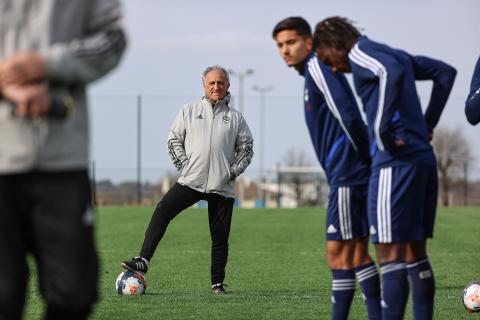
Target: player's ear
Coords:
[[309, 43], [345, 54]]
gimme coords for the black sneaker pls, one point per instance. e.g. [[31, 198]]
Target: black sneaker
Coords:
[[137, 264], [219, 288]]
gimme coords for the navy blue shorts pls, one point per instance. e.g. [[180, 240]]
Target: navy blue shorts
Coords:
[[347, 212], [402, 203]]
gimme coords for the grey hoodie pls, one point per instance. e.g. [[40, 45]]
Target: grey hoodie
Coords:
[[81, 41], [210, 146]]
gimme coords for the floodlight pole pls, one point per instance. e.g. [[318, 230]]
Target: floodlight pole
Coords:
[[241, 77], [93, 184], [139, 150], [263, 91]]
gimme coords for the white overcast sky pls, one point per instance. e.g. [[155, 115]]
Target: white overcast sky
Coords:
[[171, 43]]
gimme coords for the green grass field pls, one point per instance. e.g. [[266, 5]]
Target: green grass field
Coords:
[[276, 268]]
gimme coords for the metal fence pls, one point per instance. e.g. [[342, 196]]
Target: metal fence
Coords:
[[131, 165]]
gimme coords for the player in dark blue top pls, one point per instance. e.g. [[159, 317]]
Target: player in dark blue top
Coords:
[[336, 127], [472, 106], [403, 185], [339, 137]]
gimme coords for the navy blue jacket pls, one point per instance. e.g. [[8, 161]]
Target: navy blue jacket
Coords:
[[336, 128], [385, 80], [472, 106]]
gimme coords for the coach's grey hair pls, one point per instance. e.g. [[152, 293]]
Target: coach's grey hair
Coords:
[[215, 67]]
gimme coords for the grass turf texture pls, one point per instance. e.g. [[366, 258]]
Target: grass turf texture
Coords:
[[276, 267]]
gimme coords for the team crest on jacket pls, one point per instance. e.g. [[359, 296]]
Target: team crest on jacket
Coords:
[[305, 95], [226, 119]]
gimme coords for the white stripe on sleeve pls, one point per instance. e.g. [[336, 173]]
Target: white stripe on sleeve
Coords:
[[319, 79], [378, 69]]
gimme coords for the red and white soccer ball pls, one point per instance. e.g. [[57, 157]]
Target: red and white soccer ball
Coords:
[[130, 283], [471, 297]]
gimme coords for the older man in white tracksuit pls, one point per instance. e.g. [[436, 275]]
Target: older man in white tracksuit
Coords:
[[210, 144]]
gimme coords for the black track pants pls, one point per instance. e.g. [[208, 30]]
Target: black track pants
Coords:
[[177, 199], [49, 215]]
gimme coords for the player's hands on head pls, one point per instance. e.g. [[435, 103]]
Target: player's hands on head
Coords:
[[22, 68], [32, 100]]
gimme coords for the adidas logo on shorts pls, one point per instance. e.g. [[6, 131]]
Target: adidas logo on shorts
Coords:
[[331, 229], [384, 304], [373, 230]]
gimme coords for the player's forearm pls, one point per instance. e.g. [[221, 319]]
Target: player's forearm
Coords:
[[85, 60], [243, 156], [176, 151], [442, 86], [386, 122], [472, 107]]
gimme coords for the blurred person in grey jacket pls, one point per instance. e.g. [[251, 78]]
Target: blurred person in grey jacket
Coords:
[[50, 51], [210, 144]]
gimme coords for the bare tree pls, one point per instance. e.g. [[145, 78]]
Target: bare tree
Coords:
[[453, 154]]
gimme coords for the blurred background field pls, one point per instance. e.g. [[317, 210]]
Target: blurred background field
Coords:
[[276, 268]]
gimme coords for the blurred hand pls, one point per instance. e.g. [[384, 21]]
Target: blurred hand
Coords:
[[399, 142], [30, 100], [22, 68]]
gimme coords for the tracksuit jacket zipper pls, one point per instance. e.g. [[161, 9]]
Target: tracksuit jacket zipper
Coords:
[[210, 149]]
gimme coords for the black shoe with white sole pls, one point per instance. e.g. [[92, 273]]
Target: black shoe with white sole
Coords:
[[137, 264], [219, 288]]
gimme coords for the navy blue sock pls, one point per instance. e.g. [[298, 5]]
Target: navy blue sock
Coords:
[[395, 290], [369, 280], [423, 288], [343, 289]]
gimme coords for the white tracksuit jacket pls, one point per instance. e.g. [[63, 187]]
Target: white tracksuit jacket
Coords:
[[210, 146]]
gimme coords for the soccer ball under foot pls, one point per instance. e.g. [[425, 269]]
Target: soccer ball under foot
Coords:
[[471, 297], [130, 283]]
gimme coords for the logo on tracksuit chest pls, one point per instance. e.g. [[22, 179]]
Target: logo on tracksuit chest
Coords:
[[306, 97], [225, 117]]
